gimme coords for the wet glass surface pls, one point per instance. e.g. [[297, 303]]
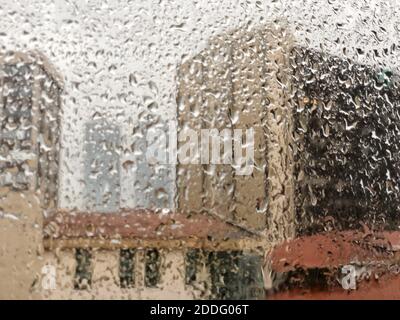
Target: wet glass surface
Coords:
[[199, 150]]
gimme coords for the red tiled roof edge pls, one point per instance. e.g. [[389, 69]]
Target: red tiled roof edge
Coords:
[[333, 249], [140, 224]]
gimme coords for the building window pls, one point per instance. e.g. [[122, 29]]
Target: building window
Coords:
[[152, 268], [127, 268], [191, 259], [235, 275], [194, 262], [83, 272]]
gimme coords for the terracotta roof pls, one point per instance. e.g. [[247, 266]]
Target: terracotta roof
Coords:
[[309, 267], [335, 249], [138, 224], [385, 287]]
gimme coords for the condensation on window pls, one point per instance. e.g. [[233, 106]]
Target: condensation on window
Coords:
[[199, 150]]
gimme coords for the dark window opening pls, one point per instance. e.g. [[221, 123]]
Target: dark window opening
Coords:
[[191, 259], [235, 275], [127, 268], [152, 268], [83, 272], [194, 261]]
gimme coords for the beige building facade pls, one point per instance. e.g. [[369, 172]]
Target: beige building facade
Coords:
[[242, 81], [29, 108]]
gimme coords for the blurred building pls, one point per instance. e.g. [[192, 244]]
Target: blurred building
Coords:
[[29, 152], [310, 173], [102, 166], [213, 245], [325, 157], [241, 81], [326, 138], [346, 144]]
